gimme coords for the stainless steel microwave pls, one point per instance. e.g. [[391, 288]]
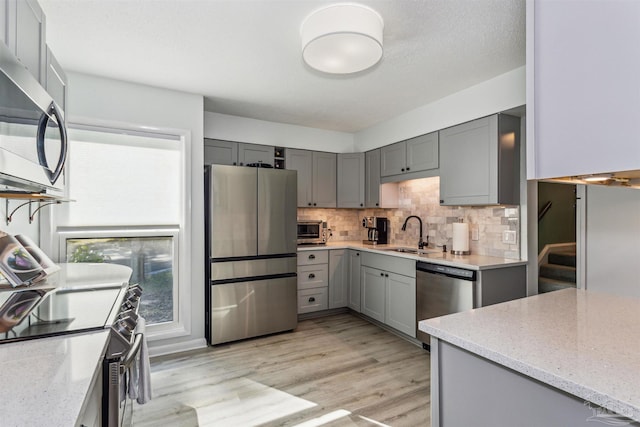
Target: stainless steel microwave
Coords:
[[33, 137], [313, 232]]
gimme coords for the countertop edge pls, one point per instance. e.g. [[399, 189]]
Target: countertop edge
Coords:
[[581, 391], [453, 261]]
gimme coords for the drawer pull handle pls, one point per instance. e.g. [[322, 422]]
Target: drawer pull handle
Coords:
[[312, 276], [312, 299], [312, 256]]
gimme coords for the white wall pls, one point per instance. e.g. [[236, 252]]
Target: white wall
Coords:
[[498, 94], [96, 100], [613, 240], [241, 129]]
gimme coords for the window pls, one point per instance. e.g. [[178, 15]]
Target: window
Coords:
[[129, 208]]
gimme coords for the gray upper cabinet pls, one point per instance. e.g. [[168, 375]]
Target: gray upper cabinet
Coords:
[[582, 115], [407, 157], [372, 179], [221, 152], [25, 35], [480, 162], [254, 153], [324, 179], [316, 177], [56, 81], [351, 179]]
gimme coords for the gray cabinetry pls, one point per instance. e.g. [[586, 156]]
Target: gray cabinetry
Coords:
[[584, 107], [56, 81], [480, 162], [316, 177], [220, 152], [389, 291], [313, 281], [338, 278], [354, 280], [408, 157], [351, 179], [373, 293], [372, 179], [25, 33]]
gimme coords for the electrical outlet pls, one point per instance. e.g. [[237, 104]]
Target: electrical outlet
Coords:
[[475, 234], [509, 236]]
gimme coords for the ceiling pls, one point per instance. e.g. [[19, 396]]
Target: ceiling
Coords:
[[244, 56]]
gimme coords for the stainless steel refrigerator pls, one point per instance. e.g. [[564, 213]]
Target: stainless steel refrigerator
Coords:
[[250, 243]]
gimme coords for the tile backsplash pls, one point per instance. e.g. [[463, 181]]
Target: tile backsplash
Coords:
[[421, 197]]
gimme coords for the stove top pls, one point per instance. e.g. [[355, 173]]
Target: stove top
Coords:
[[42, 312]]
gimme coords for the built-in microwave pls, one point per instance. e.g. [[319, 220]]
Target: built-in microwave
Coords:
[[33, 137], [312, 232]]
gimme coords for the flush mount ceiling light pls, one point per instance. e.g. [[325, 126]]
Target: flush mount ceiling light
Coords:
[[342, 38]]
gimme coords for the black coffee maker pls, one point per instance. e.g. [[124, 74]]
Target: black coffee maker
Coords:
[[377, 230]]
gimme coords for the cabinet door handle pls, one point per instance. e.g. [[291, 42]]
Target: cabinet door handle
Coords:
[[386, 275], [312, 256], [314, 204], [309, 203], [377, 204], [402, 169], [361, 204], [441, 201], [358, 254], [312, 299], [241, 164], [408, 169], [381, 274], [234, 163], [312, 276]]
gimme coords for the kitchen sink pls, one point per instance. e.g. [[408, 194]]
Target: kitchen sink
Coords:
[[412, 250]]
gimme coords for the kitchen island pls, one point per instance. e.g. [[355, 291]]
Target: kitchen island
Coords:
[[564, 358]]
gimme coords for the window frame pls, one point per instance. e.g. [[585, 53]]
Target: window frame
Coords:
[[181, 326]]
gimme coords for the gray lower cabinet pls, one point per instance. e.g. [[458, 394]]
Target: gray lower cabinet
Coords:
[[373, 293], [338, 278], [220, 152], [351, 180], [417, 154], [313, 281], [388, 286], [317, 177], [354, 280], [480, 162]]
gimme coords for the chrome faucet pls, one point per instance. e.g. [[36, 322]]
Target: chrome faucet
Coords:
[[421, 243]]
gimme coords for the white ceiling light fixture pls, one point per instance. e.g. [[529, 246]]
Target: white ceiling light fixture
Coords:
[[342, 38]]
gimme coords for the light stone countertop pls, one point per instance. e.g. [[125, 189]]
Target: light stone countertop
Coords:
[[584, 343], [471, 262], [45, 381]]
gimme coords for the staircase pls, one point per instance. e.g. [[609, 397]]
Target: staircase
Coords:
[[559, 272]]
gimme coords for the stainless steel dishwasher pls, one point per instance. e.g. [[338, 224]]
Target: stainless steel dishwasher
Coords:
[[442, 290]]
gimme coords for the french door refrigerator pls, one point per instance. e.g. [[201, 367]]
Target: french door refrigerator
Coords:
[[250, 245]]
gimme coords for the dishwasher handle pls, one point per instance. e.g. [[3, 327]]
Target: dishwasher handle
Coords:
[[456, 272]]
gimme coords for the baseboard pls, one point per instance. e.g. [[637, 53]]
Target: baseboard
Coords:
[[179, 347], [322, 313]]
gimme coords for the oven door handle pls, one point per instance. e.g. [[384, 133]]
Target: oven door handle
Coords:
[[131, 355]]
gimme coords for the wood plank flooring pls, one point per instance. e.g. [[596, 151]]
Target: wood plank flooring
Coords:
[[333, 371]]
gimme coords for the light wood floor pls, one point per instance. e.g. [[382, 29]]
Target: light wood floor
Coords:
[[332, 371]]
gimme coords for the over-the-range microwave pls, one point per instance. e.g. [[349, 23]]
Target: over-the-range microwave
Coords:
[[33, 137]]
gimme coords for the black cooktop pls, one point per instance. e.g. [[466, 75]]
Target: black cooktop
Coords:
[[36, 313]]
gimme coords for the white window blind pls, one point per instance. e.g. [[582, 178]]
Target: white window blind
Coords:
[[118, 179]]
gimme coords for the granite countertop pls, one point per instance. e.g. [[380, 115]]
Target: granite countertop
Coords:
[[471, 262], [46, 381], [584, 343]]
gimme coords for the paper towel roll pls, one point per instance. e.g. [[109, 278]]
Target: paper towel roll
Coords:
[[460, 237]]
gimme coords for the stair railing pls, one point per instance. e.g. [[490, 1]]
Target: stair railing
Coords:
[[544, 210]]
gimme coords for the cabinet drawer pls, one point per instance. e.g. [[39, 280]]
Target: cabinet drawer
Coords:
[[313, 276], [313, 257], [313, 300]]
